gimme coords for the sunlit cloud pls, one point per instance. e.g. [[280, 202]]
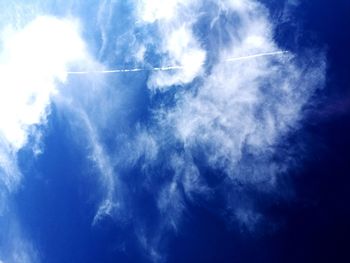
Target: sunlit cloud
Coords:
[[248, 97], [33, 59]]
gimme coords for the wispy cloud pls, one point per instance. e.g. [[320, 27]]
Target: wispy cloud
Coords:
[[247, 96], [109, 179], [177, 43], [15, 246]]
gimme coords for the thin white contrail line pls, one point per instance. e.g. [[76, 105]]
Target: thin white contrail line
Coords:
[[274, 53]]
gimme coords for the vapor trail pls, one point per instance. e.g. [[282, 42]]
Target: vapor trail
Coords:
[[274, 53]]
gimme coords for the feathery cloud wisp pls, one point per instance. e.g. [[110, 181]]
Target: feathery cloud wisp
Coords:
[[249, 96]]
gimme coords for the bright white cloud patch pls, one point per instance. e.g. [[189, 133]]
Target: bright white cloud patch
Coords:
[[32, 60], [154, 10], [182, 49], [177, 45]]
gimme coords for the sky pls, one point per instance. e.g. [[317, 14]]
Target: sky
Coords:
[[174, 131]]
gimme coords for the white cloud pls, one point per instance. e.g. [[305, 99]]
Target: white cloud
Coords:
[[33, 58], [155, 10], [8, 167], [233, 119], [244, 105], [178, 45], [104, 15], [109, 205], [248, 219], [238, 114], [23, 252], [15, 246], [144, 145], [182, 50]]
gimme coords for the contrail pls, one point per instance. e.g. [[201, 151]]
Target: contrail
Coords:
[[107, 71], [274, 53]]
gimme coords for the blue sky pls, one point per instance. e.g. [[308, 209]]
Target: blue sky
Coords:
[[173, 131]]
